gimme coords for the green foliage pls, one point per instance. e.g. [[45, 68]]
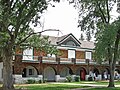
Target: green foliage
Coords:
[[81, 37], [44, 80], [69, 78], [92, 14], [40, 81], [95, 19], [106, 39], [30, 81], [16, 16], [90, 79], [42, 43], [77, 78]]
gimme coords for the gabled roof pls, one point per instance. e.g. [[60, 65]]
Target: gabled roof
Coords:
[[87, 44], [65, 37], [83, 44]]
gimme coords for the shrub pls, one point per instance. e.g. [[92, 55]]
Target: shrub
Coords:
[[30, 81], [77, 78], [40, 81], [69, 78], [90, 79], [45, 80]]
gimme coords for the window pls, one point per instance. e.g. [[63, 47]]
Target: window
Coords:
[[88, 55], [28, 54], [71, 43], [71, 53], [31, 71]]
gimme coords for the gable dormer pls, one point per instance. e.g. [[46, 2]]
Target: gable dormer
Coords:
[[68, 40]]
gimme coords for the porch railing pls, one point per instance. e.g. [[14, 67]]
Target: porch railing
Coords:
[[40, 59]]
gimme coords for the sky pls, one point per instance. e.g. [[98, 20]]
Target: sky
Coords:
[[63, 17]]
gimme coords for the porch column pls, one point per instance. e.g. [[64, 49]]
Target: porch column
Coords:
[[86, 77], [57, 78], [99, 77], [58, 60], [40, 77], [73, 77]]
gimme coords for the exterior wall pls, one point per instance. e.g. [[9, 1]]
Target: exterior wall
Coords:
[[64, 54], [19, 65], [80, 55], [1, 68], [75, 68], [39, 53]]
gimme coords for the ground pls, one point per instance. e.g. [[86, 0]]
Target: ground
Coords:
[[82, 85]]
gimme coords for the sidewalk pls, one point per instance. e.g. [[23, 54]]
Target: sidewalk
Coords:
[[90, 85], [87, 88]]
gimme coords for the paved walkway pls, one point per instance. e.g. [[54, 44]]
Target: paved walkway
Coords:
[[86, 84], [89, 84]]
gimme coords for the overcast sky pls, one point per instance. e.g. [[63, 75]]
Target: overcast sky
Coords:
[[63, 17]]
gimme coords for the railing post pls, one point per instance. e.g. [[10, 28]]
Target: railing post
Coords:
[[58, 60], [40, 59], [88, 62], [73, 60]]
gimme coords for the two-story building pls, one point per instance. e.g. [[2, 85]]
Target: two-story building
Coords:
[[76, 59]]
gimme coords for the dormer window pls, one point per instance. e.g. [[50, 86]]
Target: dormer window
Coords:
[[70, 43]]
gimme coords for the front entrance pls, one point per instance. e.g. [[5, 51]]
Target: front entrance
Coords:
[[81, 72], [82, 75]]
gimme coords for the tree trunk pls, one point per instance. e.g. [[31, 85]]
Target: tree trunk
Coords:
[[115, 58], [7, 69], [111, 80]]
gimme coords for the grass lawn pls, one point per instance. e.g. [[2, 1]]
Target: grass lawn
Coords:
[[69, 86], [97, 82], [51, 87], [116, 88]]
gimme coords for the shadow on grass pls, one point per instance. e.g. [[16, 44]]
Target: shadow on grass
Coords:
[[54, 87], [104, 88]]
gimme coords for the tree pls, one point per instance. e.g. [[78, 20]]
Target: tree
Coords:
[[95, 18], [15, 19], [109, 39], [88, 36], [81, 37]]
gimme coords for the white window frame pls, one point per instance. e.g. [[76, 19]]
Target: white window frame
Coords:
[[28, 54], [88, 55], [71, 53]]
